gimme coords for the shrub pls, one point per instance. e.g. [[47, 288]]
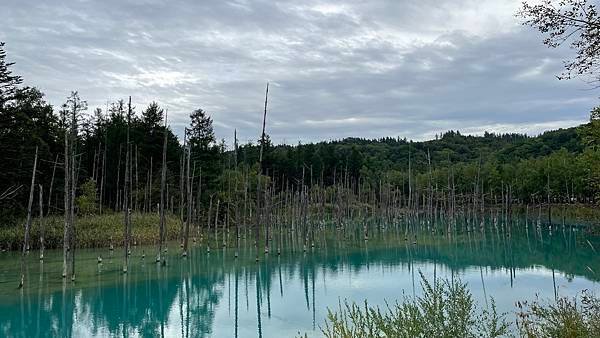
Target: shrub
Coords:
[[446, 309], [565, 318]]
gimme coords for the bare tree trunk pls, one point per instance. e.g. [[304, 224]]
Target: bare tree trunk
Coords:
[[217, 221], [117, 202], [198, 202], [41, 223], [237, 213], [127, 230], [74, 177], [191, 195], [181, 189], [51, 184], [208, 215], [103, 177], [163, 182], [409, 183], [258, 183], [137, 182], [28, 220], [66, 230], [189, 202], [150, 187], [548, 191]]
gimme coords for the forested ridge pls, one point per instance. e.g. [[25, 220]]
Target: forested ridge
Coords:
[[563, 164]]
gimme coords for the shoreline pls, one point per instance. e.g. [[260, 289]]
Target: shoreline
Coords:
[[102, 231]]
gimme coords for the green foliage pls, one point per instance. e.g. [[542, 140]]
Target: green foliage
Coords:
[[591, 132], [446, 309], [86, 201], [152, 117], [574, 22], [520, 161], [564, 318], [497, 160], [200, 133], [8, 82]]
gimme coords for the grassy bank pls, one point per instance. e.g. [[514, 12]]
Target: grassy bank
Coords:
[[447, 309], [91, 231]]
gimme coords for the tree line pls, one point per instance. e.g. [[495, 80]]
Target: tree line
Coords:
[[564, 164]]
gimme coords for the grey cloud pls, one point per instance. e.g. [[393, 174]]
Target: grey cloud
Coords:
[[343, 68]]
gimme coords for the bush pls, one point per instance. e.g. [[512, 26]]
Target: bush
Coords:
[[564, 318], [446, 309]]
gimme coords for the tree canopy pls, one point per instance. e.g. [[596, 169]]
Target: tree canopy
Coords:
[[570, 157]]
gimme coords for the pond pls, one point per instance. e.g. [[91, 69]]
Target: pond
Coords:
[[214, 294]]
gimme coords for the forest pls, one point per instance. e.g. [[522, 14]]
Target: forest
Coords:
[[559, 166], [171, 228]]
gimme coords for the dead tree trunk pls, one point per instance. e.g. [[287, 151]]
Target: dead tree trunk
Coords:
[[51, 185], [163, 182], [28, 220], [127, 228], [74, 177], [181, 189], [66, 230], [189, 202], [41, 224], [237, 213], [117, 202], [103, 176], [258, 183]]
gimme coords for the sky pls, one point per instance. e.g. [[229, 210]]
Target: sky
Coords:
[[346, 68]]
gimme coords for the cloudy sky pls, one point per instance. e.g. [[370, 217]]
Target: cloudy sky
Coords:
[[337, 68]]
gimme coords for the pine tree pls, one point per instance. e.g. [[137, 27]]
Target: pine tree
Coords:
[[152, 117], [201, 134], [8, 83]]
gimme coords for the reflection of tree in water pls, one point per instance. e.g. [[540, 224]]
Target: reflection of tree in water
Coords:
[[185, 294], [204, 282], [145, 306]]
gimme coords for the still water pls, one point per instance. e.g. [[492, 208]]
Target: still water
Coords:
[[214, 294]]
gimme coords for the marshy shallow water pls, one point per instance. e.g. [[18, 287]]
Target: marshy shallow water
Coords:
[[214, 294]]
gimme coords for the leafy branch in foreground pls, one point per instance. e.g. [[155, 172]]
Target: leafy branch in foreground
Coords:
[[446, 309], [576, 21]]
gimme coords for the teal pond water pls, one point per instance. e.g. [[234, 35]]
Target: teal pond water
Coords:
[[213, 294]]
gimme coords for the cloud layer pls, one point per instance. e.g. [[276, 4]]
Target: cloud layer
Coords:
[[337, 68]]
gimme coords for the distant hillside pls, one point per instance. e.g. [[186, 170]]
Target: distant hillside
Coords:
[[522, 162], [393, 153]]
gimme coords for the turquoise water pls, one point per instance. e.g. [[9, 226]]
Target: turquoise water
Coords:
[[214, 294]]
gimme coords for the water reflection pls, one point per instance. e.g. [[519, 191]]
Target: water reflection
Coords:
[[205, 293]]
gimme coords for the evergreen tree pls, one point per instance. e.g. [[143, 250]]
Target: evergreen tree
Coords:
[[152, 116], [8, 83], [200, 134], [204, 150]]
